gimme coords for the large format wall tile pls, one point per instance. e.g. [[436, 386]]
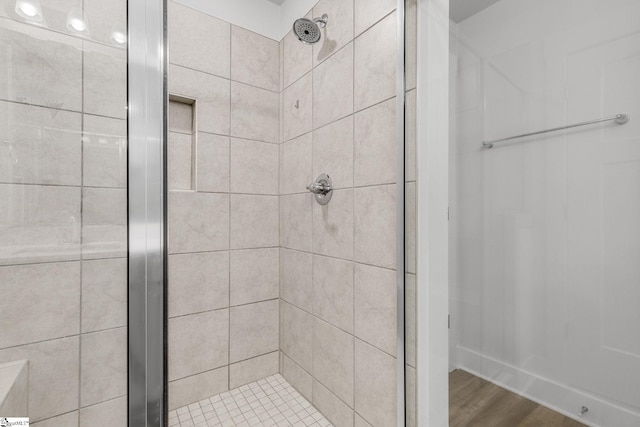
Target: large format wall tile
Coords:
[[297, 108], [333, 226], [198, 222], [255, 59], [375, 64], [297, 58], [108, 414], [103, 366], [300, 379], [254, 221], [50, 291], [333, 359], [104, 222], [104, 17], [211, 93], [375, 225], [68, 419], [198, 40], [213, 163], [254, 113], [375, 145], [254, 275], [104, 152], [41, 72], [104, 294], [198, 282], [39, 222], [336, 411], [53, 375], [333, 152], [333, 291], [295, 165], [339, 29], [333, 88], [39, 145], [295, 221], [295, 278], [105, 82], [254, 167], [255, 369], [376, 378], [254, 330], [368, 12], [297, 339], [202, 386], [198, 343], [375, 306]]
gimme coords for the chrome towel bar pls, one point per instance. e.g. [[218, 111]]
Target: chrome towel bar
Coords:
[[620, 119]]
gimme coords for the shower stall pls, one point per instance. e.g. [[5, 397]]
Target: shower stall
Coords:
[[203, 212]]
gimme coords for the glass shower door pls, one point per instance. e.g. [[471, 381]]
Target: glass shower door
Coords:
[[63, 216]]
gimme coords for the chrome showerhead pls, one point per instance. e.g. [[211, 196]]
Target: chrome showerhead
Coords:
[[308, 31]]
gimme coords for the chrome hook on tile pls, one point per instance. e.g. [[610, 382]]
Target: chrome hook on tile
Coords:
[[322, 188]]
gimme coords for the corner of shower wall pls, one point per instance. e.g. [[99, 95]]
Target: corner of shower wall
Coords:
[[338, 279]]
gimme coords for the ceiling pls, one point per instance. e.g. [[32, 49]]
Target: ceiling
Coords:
[[462, 9], [278, 2]]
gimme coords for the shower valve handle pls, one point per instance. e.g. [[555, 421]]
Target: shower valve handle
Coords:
[[322, 188], [319, 187]]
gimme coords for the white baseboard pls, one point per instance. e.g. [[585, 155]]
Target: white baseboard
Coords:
[[560, 398]]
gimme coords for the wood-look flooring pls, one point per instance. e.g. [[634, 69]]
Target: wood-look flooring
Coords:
[[479, 403]]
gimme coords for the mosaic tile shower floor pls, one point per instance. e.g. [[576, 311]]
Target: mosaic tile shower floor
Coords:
[[269, 402]]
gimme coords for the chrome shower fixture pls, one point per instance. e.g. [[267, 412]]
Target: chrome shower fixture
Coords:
[[322, 188], [308, 31]]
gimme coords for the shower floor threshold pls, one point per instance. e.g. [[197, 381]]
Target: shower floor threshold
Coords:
[[271, 401]]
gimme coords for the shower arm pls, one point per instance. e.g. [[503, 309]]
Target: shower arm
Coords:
[[322, 21]]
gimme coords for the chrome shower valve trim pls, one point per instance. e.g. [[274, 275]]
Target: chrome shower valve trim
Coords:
[[322, 188]]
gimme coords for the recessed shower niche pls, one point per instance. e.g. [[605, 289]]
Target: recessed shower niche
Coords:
[[182, 151]]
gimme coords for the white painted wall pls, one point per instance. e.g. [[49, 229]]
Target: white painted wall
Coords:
[[260, 16], [432, 152], [547, 250]]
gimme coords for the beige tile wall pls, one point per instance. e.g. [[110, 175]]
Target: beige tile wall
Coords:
[[224, 221], [337, 278], [63, 268]]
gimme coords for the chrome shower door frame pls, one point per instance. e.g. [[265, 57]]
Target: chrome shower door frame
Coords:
[[147, 133], [400, 214]]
